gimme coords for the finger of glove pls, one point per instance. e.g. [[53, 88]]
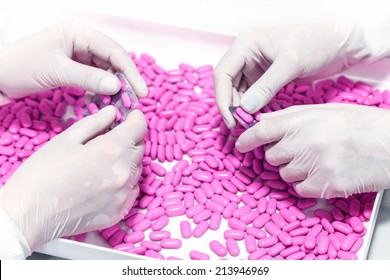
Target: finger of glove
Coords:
[[264, 89], [225, 73], [112, 52], [89, 127]]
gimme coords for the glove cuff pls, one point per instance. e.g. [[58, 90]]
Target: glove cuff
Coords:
[[13, 245]]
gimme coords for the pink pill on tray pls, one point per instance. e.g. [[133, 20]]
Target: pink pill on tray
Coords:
[[124, 101], [244, 118]]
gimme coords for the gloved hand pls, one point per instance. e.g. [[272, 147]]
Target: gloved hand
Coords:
[[327, 150], [67, 54], [80, 181], [263, 60]]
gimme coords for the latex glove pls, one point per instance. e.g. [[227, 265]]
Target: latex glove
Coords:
[[263, 60], [328, 150], [67, 54], [79, 181]]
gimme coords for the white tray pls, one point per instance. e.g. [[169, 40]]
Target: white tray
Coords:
[[170, 46]]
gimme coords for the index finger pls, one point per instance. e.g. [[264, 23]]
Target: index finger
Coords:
[[271, 128], [227, 69], [113, 53], [128, 133]]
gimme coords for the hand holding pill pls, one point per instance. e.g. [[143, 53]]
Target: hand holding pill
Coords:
[[81, 180], [67, 54], [262, 60], [298, 138]]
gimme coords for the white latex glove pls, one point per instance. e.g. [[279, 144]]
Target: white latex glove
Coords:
[[79, 181], [263, 60], [328, 150], [67, 54]]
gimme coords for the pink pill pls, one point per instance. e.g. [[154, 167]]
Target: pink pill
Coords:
[[229, 209], [194, 210], [190, 169], [310, 222], [356, 224], [196, 255], [220, 200], [327, 225], [271, 206], [155, 213], [354, 207], [299, 231], [175, 210], [276, 249], [6, 151], [337, 214], [200, 196], [261, 220], [285, 238], [142, 225], [202, 176], [223, 175], [343, 205], [250, 243], [207, 189], [117, 238], [257, 254], [188, 200], [262, 205], [256, 232], [202, 216], [234, 223], [171, 243], [232, 197], [248, 200], [200, 229], [218, 248], [267, 242], [158, 169], [180, 165], [357, 245], [134, 237], [346, 255], [214, 207], [232, 247], [306, 203], [160, 223], [296, 256], [159, 235], [5, 168], [278, 220], [124, 247], [334, 241], [249, 216], [287, 215], [297, 212], [323, 245], [108, 232], [348, 242], [342, 227], [367, 210], [234, 234], [240, 211], [272, 229], [150, 245], [289, 251], [215, 221]]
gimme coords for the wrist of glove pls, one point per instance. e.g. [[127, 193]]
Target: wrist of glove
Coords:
[[329, 150], [81, 180]]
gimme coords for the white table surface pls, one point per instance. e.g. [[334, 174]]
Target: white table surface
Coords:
[[224, 16]]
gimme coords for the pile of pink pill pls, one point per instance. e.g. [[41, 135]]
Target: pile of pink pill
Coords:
[[192, 172]]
